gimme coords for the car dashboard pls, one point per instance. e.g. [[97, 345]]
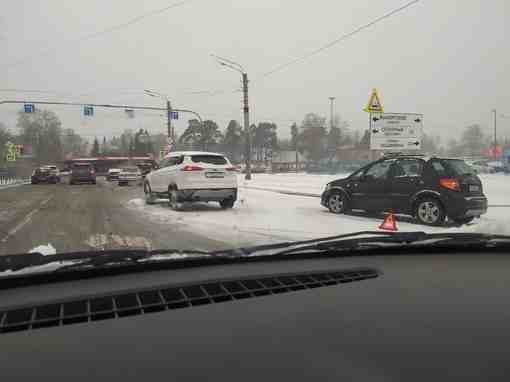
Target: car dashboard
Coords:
[[392, 317]]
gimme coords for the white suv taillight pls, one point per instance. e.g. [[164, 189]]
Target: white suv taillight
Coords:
[[231, 168], [190, 167]]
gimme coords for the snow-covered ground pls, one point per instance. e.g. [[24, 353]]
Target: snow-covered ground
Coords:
[[263, 214]]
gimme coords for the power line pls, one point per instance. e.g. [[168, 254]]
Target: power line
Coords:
[[116, 92], [69, 93], [338, 40], [107, 30]]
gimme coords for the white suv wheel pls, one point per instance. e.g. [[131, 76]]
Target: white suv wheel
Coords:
[[172, 200]]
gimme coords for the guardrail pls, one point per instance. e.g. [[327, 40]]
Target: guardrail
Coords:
[[10, 181]]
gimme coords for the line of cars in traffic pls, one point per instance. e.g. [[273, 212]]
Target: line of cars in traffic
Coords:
[[430, 189], [85, 173]]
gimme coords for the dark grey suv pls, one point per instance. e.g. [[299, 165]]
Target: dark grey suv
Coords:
[[82, 173], [430, 189]]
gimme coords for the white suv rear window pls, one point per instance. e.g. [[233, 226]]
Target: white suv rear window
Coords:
[[210, 159]]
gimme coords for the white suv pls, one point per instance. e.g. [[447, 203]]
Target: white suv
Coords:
[[192, 176]]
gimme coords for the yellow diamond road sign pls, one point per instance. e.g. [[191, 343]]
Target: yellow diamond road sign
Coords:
[[374, 104]]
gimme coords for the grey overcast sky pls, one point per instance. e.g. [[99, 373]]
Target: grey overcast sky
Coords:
[[447, 59]]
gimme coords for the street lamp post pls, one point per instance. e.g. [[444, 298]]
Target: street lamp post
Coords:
[[171, 132], [246, 108], [332, 101]]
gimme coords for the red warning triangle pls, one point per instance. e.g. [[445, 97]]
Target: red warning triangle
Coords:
[[389, 223]]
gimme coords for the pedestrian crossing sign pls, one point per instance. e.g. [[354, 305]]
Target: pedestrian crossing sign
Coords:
[[374, 104]]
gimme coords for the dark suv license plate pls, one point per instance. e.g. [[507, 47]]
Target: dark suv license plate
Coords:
[[474, 188]]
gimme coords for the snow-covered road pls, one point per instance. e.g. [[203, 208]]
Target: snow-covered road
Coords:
[[263, 214]]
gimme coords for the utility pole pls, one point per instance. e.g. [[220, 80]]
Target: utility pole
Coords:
[[169, 121], [246, 108], [332, 100], [246, 111], [495, 133]]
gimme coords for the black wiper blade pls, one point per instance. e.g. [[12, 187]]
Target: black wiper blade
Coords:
[[344, 238], [375, 239], [91, 259]]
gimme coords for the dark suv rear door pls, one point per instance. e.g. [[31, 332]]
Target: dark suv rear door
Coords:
[[404, 181]]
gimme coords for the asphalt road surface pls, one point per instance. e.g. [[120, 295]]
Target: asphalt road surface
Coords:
[[84, 217]]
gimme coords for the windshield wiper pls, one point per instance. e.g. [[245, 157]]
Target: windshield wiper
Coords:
[[91, 259], [94, 259], [373, 240], [343, 245]]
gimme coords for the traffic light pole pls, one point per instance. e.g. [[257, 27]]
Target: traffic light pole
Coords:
[[169, 121], [168, 109]]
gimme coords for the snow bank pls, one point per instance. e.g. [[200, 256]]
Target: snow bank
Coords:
[[45, 250], [266, 216]]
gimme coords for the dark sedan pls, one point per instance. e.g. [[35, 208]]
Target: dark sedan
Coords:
[[43, 175]]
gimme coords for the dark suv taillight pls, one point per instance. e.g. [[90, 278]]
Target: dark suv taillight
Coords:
[[450, 183]]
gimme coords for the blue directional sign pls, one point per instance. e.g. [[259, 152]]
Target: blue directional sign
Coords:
[[29, 108], [88, 111], [174, 115], [130, 113]]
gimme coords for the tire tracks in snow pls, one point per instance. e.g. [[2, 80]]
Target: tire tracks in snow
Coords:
[[26, 220]]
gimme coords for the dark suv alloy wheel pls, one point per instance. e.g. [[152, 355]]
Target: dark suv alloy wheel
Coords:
[[337, 202], [430, 211]]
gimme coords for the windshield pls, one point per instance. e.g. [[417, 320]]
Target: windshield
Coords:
[[272, 121]]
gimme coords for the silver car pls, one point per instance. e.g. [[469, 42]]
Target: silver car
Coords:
[[129, 175]]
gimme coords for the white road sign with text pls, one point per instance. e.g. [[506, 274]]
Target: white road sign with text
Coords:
[[390, 131]]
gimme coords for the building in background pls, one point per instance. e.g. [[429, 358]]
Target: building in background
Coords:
[[285, 161]]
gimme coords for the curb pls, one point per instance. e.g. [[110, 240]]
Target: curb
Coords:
[[284, 192]]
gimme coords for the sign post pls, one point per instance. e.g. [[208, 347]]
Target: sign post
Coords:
[[11, 152], [374, 104], [396, 131], [29, 108]]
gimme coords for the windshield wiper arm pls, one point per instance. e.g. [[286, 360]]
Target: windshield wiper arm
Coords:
[[339, 244], [347, 240], [375, 239], [91, 258]]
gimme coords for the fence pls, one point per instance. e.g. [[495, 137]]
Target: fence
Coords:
[[10, 181]]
